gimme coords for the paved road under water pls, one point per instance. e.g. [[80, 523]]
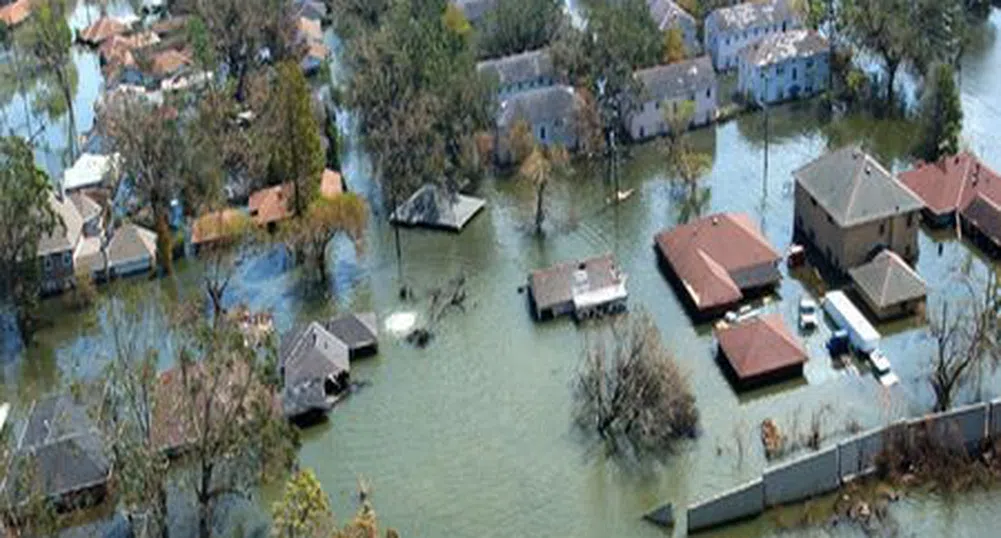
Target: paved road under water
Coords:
[[472, 436]]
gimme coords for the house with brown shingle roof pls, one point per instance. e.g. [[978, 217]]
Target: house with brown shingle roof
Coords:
[[889, 286], [331, 183], [272, 205], [716, 261], [947, 186], [101, 30], [586, 288], [759, 350], [15, 13], [848, 207]]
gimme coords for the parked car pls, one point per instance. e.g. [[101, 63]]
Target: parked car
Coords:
[[807, 314]]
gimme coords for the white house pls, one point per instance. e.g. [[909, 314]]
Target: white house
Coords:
[[784, 66], [730, 29], [665, 87], [551, 114], [520, 72], [668, 14]]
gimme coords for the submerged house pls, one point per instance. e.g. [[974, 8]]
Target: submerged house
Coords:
[[889, 287], [59, 455], [785, 66], [729, 29], [315, 370], [848, 207], [759, 350], [359, 332], [584, 289], [101, 30], [272, 205], [716, 261], [666, 87], [59, 249], [551, 115], [435, 206]]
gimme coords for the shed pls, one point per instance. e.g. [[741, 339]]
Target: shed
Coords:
[[760, 350], [889, 286], [315, 371], [359, 332], [718, 259]]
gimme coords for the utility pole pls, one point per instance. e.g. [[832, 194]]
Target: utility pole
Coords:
[[764, 176]]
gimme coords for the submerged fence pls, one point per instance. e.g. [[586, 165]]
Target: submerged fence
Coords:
[[824, 471]]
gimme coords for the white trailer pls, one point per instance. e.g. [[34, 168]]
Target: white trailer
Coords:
[[862, 335]]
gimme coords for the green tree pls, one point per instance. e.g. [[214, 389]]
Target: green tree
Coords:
[[885, 28], [540, 167], [941, 116], [304, 509], [49, 39], [28, 217], [520, 25], [326, 218], [674, 45], [684, 162], [298, 150]]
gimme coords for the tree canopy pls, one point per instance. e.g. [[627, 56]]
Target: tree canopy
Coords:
[[519, 25], [941, 115]]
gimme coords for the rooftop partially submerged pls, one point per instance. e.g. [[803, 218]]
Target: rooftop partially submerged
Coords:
[[950, 184], [760, 349], [777, 48], [578, 287], [888, 281], [854, 188], [315, 369], [359, 332], [435, 206], [717, 258]]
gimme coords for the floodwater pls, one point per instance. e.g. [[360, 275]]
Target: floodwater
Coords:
[[473, 436]]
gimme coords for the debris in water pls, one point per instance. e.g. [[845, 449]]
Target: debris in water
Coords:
[[401, 322]]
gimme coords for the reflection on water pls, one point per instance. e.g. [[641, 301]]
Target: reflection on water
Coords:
[[473, 437]]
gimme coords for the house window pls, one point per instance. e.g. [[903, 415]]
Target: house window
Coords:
[[755, 31], [656, 105], [642, 132], [780, 70], [882, 228], [809, 63], [794, 73], [907, 251], [67, 259], [47, 263], [674, 107], [542, 133], [830, 220], [728, 41], [709, 92], [910, 219], [783, 26]]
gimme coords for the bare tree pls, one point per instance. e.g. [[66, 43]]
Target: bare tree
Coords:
[[966, 340], [634, 390]]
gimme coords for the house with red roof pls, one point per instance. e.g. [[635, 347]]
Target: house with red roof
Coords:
[[760, 350], [716, 261]]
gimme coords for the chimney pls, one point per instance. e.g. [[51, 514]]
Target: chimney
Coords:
[[715, 221]]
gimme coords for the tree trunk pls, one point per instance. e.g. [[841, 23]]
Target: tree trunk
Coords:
[[399, 247], [164, 254], [162, 529], [539, 214], [204, 503], [71, 114], [891, 75]]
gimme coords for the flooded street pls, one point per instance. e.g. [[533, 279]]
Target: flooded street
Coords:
[[473, 436]]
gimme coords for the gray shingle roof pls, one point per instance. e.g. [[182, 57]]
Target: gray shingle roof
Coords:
[[129, 244], [853, 188], [750, 15], [355, 330], [887, 280], [677, 79], [666, 12], [524, 67], [783, 46], [433, 205], [67, 231], [540, 105], [86, 206], [311, 352], [554, 285]]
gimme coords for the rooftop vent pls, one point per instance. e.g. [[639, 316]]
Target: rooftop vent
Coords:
[[715, 221]]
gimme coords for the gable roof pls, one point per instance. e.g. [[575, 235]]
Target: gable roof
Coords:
[[539, 105], [952, 182], [759, 346], [776, 48], [677, 79], [90, 169], [519, 68], [853, 188], [888, 280], [272, 204], [16, 12], [331, 183], [355, 330], [86, 206], [666, 13], [434, 205], [985, 215], [131, 243], [749, 15], [718, 256], [310, 352], [68, 229], [169, 62], [101, 30]]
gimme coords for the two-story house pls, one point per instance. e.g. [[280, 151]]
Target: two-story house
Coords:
[[849, 207], [785, 66], [551, 114], [57, 250], [520, 72], [665, 88], [730, 29], [668, 15]]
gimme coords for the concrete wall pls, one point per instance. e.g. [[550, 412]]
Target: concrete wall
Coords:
[[741, 502], [965, 425], [857, 455], [809, 476], [994, 427]]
